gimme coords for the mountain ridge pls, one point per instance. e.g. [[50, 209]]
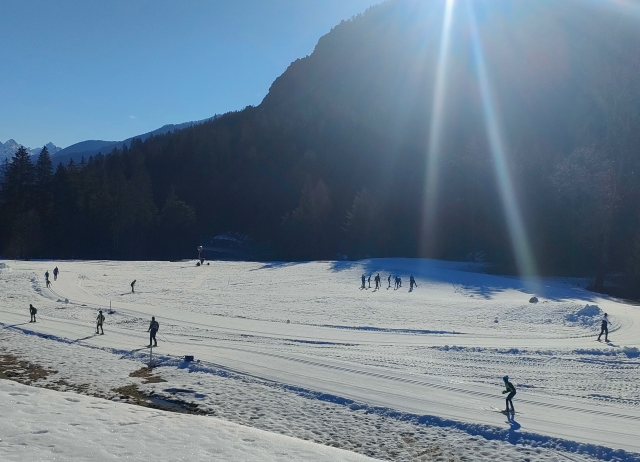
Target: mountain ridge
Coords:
[[8, 149], [89, 148]]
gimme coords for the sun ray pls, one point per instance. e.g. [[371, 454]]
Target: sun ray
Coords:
[[435, 132], [519, 240]]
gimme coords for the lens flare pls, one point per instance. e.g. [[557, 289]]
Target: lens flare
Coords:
[[435, 132], [519, 241]]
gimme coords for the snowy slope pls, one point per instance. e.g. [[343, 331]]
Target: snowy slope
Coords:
[[432, 356], [39, 424]]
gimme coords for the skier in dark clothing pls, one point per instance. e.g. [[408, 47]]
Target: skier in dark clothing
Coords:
[[377, 279], [46, 278], [32, 312], [512, 392], [55, 273], [133, 284], [100, 320], [604, 328], [389, 281], [153, 329], [412, 282], [363, 279], [369, 281]]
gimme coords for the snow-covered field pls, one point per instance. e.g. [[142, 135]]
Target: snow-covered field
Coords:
[[301, 350], [40, 424]]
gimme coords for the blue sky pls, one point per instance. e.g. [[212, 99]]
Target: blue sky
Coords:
[[72, 70]]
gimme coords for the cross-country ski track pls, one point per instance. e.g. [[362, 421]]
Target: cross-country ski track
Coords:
[[224, 341]]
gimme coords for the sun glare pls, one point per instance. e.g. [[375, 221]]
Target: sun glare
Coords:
[[519, 241], [435, 131]]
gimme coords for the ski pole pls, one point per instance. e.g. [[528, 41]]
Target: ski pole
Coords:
[[166, 339]]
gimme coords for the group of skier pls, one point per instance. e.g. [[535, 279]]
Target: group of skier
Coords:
[[55, 276], [153, 327], [397, 282]]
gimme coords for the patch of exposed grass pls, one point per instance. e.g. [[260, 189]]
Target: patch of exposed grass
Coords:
[[12, 368], [146, 373]]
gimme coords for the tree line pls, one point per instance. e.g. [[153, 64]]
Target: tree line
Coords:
[[333, 162]]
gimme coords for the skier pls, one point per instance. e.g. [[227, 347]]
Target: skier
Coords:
[[389, 281], [604, 328], [55, 273], [412, 282], [153, 329], [46, 278], [363, 279], [48, 283], [512, 392], [32, 312], [133, 284], [100, 320], [377, 279], [369, 280]]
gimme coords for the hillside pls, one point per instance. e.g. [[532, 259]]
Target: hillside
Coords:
[[535, 149], [90, 148]]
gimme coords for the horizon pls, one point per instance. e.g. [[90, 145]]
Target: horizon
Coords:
[[94, 78]]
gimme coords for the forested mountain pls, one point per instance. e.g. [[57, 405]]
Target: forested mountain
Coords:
[[334, 161], [89, 148]]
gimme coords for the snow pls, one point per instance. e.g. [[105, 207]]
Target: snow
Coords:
[[9, 148], [40, 424], [299, 349]]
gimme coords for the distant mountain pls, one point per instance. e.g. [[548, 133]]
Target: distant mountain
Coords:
[[8, 149], [89, 147], [92, 147]]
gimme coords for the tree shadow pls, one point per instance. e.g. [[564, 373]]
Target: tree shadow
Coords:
[[14, 325], [468, 278], [279, 264], [84, 338]]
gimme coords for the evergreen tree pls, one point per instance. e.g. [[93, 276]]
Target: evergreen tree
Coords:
[[19, 181], [360, 225], [44, 169], [178, 235]]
